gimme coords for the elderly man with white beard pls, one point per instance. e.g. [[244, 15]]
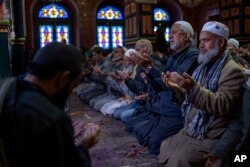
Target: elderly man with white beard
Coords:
[[211, 95]]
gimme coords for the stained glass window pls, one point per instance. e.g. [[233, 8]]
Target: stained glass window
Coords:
[[53, 11], [166, 32], [103, 36], [109, 13], [62, 33], [161, 15], [45, 32], [117, 36]]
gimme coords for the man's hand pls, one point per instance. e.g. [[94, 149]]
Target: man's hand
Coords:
[[88, 136], [142, 59], [78, 127], [212, 161], [178, 82], [166, 78], [123, 75], [188, 82], [143, 96]]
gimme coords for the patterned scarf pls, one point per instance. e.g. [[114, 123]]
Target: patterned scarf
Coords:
[[197, 127]]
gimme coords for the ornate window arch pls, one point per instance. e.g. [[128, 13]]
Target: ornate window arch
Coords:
[[110, 31], [161, 18], [53, 23]]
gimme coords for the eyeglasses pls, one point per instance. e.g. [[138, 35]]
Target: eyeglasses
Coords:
[[176, 32]]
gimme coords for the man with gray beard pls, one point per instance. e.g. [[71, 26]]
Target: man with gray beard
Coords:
[[211, 95], [161, 117]]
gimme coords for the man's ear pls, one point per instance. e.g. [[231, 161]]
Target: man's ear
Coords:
[[222, 42], [62, 78], [186, 36]]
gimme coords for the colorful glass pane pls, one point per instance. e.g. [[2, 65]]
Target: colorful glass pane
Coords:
[[62, 33], [45, 32], [53, 11], [161, 15], [103, 36], [166, 32], [117, 36], [109, 13]]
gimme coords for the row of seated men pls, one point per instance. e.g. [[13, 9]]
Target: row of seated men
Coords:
[[177, 105]]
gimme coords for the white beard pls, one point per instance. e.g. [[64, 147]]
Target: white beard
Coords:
[[205, 58], [175, 45]]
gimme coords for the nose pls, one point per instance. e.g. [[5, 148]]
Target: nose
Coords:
[[170, 36], [201, 45]]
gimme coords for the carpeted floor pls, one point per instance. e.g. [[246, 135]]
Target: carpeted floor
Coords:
[[116, 147]]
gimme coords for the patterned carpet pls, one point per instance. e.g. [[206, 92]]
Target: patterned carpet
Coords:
[[116, 147]]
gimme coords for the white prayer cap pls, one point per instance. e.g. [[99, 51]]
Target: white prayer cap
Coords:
[[129, 51], [234, 42], [186, 27], [216, 28]]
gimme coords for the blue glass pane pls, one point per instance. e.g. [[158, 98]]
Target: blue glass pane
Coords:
[[103, 36], [161, 15], [62, 33], [45, 32], [53, 11], [117, 36], [109, 13]]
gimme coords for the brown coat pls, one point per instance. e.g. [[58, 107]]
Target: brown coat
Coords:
[[182, 150]]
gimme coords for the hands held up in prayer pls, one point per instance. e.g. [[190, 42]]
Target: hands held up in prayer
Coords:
[[178, 82], [123, 75], [142, 59], [115, 76], [142, 96], [212, 161], [87, 135], [98, 70]]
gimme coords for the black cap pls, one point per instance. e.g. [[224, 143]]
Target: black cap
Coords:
[[60, 57]]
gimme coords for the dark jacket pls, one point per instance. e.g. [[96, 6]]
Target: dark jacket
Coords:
[[36, 133]]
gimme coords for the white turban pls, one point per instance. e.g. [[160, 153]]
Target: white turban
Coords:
[[216, 28], [186, 27], [234, 42], [129, 51]]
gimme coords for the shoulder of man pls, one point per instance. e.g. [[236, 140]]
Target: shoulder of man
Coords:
[[193, 50], [42, 105], [231, 65]]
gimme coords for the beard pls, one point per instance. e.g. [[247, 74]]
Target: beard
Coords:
[[175, 45], [205, 58], [59, 99]]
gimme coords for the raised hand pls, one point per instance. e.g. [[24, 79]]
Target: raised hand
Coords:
[[188, 82], [78, 127], [123, 75], [89, 136], [166, 78], [142, 59], [143, 96], [176, 81]]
